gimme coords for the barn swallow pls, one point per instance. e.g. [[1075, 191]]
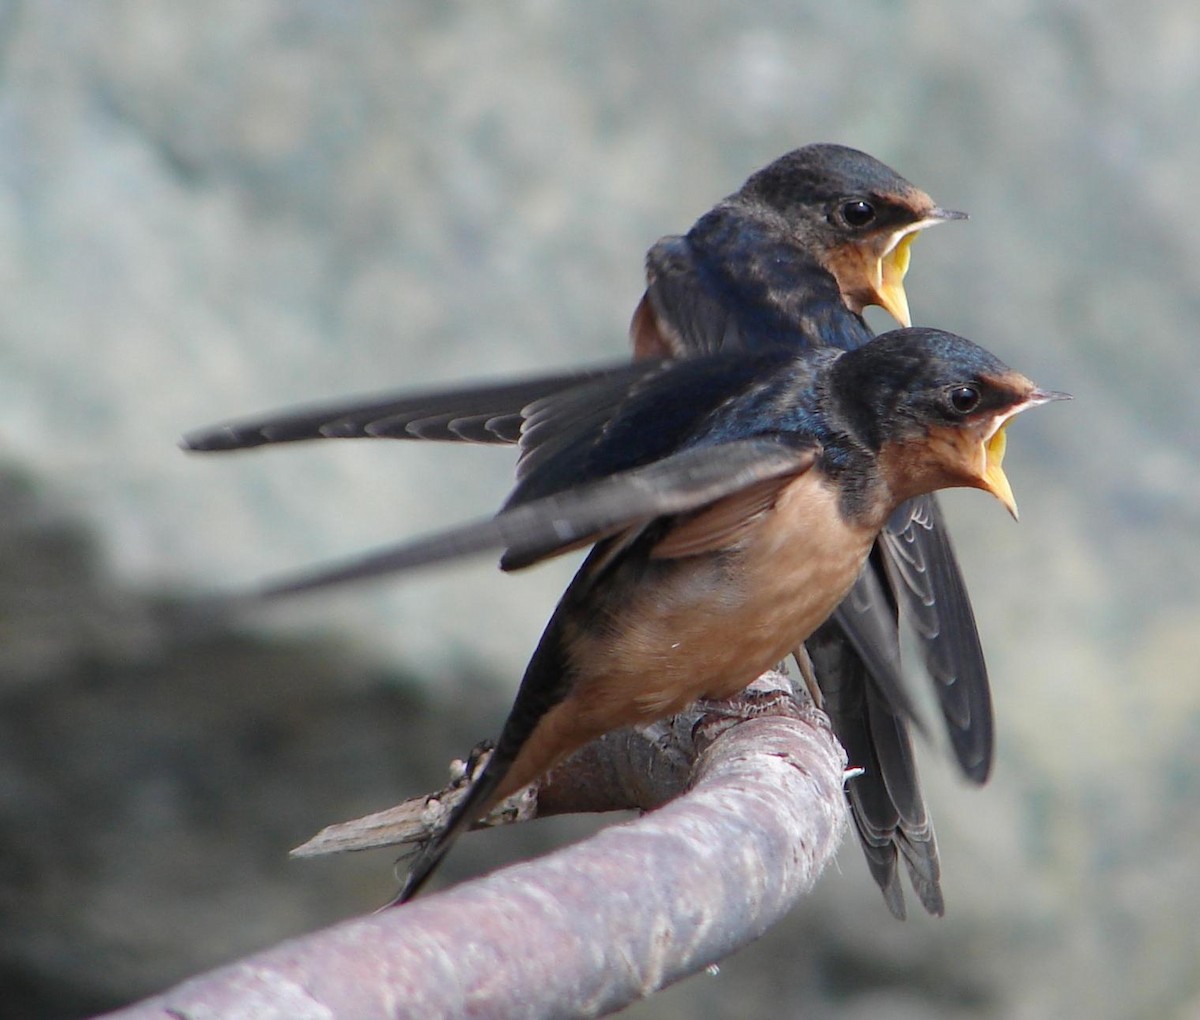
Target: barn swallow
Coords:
[[722, 544], [792, 258]]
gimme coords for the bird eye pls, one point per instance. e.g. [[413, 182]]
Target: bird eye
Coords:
[[858, 213], [964, 399]]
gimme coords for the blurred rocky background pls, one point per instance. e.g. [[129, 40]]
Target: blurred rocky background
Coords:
[[213, 209]]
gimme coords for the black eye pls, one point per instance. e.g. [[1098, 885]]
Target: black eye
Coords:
[[858, 213], [964, 399]]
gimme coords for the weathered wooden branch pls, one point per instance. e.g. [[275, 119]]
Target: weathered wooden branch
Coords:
[[638, 768], [588, 929]]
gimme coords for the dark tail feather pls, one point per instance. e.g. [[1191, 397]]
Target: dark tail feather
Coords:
[[920, 854], [544, 685], [468, 811], [885, 801], [880, 852]]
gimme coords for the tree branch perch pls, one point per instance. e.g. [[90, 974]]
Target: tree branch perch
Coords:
[[593, 927]]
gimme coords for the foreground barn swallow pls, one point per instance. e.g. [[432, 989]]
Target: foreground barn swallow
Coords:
[[790, 259], [726, 539]]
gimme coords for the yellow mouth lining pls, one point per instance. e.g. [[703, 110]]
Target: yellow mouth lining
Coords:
[[993, 474], [893, 265], [994, 445], [892, 269]]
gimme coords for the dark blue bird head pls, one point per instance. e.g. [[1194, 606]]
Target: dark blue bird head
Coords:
[[933, 408], [857, 216]]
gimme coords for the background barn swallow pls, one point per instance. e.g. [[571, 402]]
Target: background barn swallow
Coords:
[[792, 258], [822, 231], [719, 548]]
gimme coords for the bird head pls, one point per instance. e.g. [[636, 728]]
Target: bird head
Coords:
[[934, 408], [856, 215]]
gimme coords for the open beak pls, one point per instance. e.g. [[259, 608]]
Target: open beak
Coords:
[[889, 291], [992, 476], [893, 264], [994, 479]]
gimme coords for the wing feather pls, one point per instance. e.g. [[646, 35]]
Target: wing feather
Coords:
[[928, 586], [487, 413], [536, 530]]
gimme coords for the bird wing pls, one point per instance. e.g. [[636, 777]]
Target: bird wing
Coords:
[[487, 413], [652, 410], [681, 313], [535, 530], [925, 579]]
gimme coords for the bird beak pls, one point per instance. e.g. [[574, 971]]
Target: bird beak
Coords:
[[893, 264], [992, 477], [995, 480], [889, 291]]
